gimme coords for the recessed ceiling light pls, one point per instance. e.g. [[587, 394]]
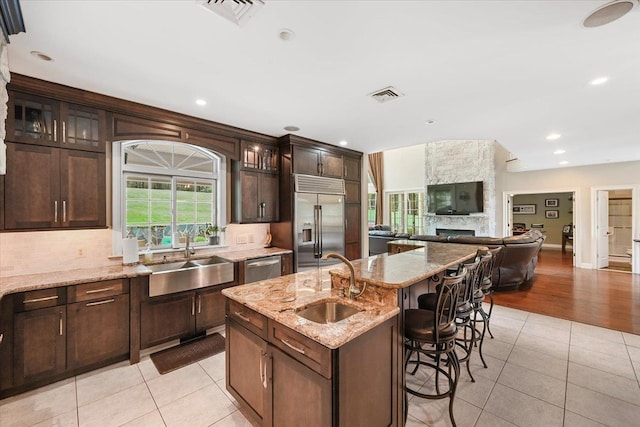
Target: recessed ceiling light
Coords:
[[599, 81], [553, 136], [343, 142], [201, 102], [609, 12], [292, 128], [430, 122], [41, 55], [559, 151], [564, 162], [286, 35]]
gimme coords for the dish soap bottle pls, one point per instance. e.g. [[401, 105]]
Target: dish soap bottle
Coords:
[[148, 255]]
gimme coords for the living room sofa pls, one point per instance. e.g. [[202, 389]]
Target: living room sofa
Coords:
[[379, 235], [516, 262]]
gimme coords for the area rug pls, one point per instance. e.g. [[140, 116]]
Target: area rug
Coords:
[[174, 358]]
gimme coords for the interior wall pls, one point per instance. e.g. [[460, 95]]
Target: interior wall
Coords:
[[582, 179], [403, 170], [552, 228]]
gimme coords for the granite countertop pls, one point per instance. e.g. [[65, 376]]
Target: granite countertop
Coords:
[[281, 297], [113, 269]]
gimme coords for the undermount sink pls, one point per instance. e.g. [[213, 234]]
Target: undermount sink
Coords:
[[185, 275], [327, 312]]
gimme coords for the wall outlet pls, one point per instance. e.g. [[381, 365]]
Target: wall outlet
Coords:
[[241, 239], [81, 252]]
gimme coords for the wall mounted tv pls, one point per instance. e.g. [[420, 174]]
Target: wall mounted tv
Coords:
[[461, 198]]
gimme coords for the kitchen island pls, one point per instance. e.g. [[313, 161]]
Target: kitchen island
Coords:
[[282, 366]]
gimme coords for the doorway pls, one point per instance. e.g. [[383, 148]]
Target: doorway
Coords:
[[614, 228]]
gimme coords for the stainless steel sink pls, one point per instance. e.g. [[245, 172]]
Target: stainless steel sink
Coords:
[[327, 312], [185, 275]]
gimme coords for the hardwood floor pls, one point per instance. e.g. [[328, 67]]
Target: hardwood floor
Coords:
[[609, 299]]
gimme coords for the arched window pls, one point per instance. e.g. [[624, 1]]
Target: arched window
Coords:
[[165, 191]]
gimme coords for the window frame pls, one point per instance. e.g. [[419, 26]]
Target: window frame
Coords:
[[418, 228]]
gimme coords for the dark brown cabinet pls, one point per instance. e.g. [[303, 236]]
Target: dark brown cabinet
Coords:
[[352, 168], [42, 121], [98, 330], [39, 344], [286, 264], [47, 187], [256, 184], [209, 309], [313, 161]]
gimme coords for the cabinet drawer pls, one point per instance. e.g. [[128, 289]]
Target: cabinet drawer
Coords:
[[248, 318], [43, 298], [301, 348], [96, 290]]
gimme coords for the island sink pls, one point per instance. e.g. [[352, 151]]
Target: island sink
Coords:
[[327, 312]]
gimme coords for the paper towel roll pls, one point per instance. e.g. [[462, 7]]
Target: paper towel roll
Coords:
[[129, 251]]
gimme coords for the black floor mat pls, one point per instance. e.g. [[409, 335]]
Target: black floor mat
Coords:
[[174, 358]]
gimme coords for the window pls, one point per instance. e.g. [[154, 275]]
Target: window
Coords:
[[164, 191], [372, 196], [406, 211]]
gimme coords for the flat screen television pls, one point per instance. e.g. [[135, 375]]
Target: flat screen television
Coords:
[[461, 198]]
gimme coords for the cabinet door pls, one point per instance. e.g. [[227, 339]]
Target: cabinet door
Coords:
[[246, 369], [82, 128], [353, 251], [352, 223], [306, 161], [351, 168], [39, 344], [331, 165], [97, 331], [268, 209], [83, 189], [32, 187], [249, 202], [300, 396], [352, 192], [165, 318], [286, 263], [209, 308], [32, 119]]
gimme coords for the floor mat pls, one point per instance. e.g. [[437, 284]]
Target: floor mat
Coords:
[[174, 358]]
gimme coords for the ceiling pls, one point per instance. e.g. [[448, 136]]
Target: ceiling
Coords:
[[513, 71]]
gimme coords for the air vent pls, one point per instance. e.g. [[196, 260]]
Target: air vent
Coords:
[[387, 94], [236, 11], [318, 184]]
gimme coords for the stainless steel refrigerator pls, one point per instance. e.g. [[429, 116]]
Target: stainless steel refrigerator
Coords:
[[319, 220]]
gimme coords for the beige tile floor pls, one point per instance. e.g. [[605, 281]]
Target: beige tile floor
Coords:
[[542, 372]]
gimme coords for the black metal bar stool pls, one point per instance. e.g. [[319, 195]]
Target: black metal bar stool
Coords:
[[432, 333], [487, 283], [477, 299]]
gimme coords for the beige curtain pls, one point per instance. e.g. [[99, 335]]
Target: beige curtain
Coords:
[[375, 171]]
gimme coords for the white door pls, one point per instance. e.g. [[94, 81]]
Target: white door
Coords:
[[602, 228]]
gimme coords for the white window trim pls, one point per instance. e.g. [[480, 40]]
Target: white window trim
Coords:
[[405, 192]]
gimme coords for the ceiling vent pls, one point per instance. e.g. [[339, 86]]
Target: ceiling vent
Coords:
[[236, 11], [387, 94]]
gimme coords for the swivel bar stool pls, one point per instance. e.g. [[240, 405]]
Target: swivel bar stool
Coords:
[[487, 283], [478, 298], [433, 334]]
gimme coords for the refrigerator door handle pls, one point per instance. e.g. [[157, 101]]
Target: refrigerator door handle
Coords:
[[316, 218], [320, 226]]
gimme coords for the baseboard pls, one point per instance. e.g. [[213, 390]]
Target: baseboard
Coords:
[[585, 265], [551, 246]]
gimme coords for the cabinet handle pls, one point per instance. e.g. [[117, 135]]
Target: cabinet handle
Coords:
[[64, 132], [1, 338], [193, 305], [29, 301], [107, 301], [242, 316], [64, 211], [344, 171], [97, 291], [55, 131], [55, 211], [292, 347], [264, 382], [322, 169], [199, 303], [60, 317], [262, 368]]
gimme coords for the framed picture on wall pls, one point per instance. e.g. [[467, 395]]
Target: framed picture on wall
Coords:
[[553, 214], [551, 203], [524, 209]]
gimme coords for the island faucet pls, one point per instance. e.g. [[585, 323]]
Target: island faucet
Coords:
[[188, 251], [352, 292]]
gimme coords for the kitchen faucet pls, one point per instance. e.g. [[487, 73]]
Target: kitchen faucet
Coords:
[[189, 251], [352, 291]]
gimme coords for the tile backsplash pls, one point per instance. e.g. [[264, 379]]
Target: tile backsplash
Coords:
[[45, 251]]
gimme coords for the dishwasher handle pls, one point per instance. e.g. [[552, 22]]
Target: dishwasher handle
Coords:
[[255, 264]]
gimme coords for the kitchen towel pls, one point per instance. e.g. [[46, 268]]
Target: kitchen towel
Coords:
[[129, 251]]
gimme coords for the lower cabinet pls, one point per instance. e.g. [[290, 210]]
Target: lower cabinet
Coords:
[[285, 379]]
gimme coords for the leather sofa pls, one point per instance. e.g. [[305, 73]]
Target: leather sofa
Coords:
[[516, 261], [379, 235]]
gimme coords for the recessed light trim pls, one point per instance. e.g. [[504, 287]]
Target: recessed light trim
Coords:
[[598, 81], [553, 136], [292, 128], [41, 55], [343, 143], [560, 151], [429, 122], [564, 162], [201, 102], [286, 34]]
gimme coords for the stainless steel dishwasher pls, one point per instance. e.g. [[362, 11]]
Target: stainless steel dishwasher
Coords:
[[262, 269]]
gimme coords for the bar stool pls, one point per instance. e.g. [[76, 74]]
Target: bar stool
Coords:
[[433, 334], [464, 311], [487, 283], [478, 298]]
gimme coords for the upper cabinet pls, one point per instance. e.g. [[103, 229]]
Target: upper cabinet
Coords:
[[313, 161], [43, 121], [352, 168]]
